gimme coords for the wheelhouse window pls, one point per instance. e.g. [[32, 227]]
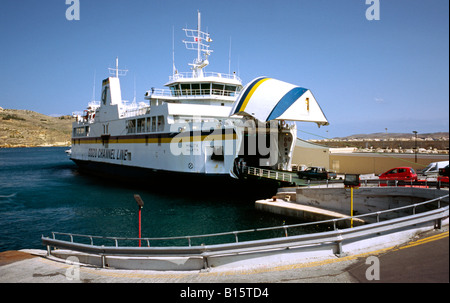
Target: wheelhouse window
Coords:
[[230, 90], [217, 89], [195, 88], [205, 88], [185, 89], [175, 90]]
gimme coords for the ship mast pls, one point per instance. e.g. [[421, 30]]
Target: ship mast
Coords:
[[199, 21], [116, 71], [199, 43]]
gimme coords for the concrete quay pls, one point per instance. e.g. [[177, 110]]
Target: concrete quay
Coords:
[[304, 212], [318, 203], [424, 259]]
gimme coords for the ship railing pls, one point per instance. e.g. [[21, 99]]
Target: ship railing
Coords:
[[190, 75], [192, 93], [267, 173], [94, 105], [400, 217], [133, 112]]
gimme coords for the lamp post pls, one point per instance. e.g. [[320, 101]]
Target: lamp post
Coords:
[[140, 204], [415, 146]]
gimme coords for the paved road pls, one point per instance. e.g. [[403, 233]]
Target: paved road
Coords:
[[426, 259]]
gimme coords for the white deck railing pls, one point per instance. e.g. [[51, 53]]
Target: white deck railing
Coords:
[[267, 173], [187, 75]]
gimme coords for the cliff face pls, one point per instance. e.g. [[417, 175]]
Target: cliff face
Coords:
[[24, 128]]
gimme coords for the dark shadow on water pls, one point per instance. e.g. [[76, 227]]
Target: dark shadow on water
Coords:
[[185, 186]]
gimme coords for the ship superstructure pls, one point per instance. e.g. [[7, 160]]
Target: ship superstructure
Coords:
[[202, 123]]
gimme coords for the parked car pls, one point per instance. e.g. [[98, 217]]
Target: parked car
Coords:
[[443, 175], [433, 168], [314, 172], [400, 174]]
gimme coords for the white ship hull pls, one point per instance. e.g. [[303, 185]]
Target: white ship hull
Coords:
[[158, 152], [211, 151]]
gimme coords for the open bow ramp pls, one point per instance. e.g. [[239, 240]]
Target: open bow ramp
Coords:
[[270, 99]]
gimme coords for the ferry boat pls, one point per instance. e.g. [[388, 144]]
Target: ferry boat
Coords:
[[202, 124]]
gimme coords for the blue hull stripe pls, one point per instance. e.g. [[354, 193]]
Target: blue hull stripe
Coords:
[[286, 102]]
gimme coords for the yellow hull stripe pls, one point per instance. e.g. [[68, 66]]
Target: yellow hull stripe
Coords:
[[250, 94], [175, 140]]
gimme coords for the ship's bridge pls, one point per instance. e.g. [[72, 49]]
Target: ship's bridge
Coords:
[[198, 86], [210, 88]]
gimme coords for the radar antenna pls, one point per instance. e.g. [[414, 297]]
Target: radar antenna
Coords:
[[116, 71], [199, 43]]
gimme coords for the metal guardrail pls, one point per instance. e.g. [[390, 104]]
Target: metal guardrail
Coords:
[[336, 236]]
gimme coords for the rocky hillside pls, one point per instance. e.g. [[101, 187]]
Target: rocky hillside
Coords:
[[24, 128]]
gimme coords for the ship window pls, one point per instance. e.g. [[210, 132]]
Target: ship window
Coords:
[[148, 124], [175, 90], [217, 89], [195, 88], [81, 131], [141, 125], [230, 90], [205, 88], [153, 124], [131, 126], [186, 89], [160, 123]]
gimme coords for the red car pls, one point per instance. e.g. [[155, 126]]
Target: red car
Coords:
[[400, 173], [443, 175]]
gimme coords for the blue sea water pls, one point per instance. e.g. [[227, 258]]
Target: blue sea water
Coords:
[[41, 190]]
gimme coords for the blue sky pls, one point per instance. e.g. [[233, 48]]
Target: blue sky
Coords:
[[366, 75]]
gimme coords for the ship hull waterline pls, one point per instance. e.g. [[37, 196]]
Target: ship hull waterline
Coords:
[[161, 180]]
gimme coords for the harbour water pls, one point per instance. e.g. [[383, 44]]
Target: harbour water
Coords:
[[42, 191]]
